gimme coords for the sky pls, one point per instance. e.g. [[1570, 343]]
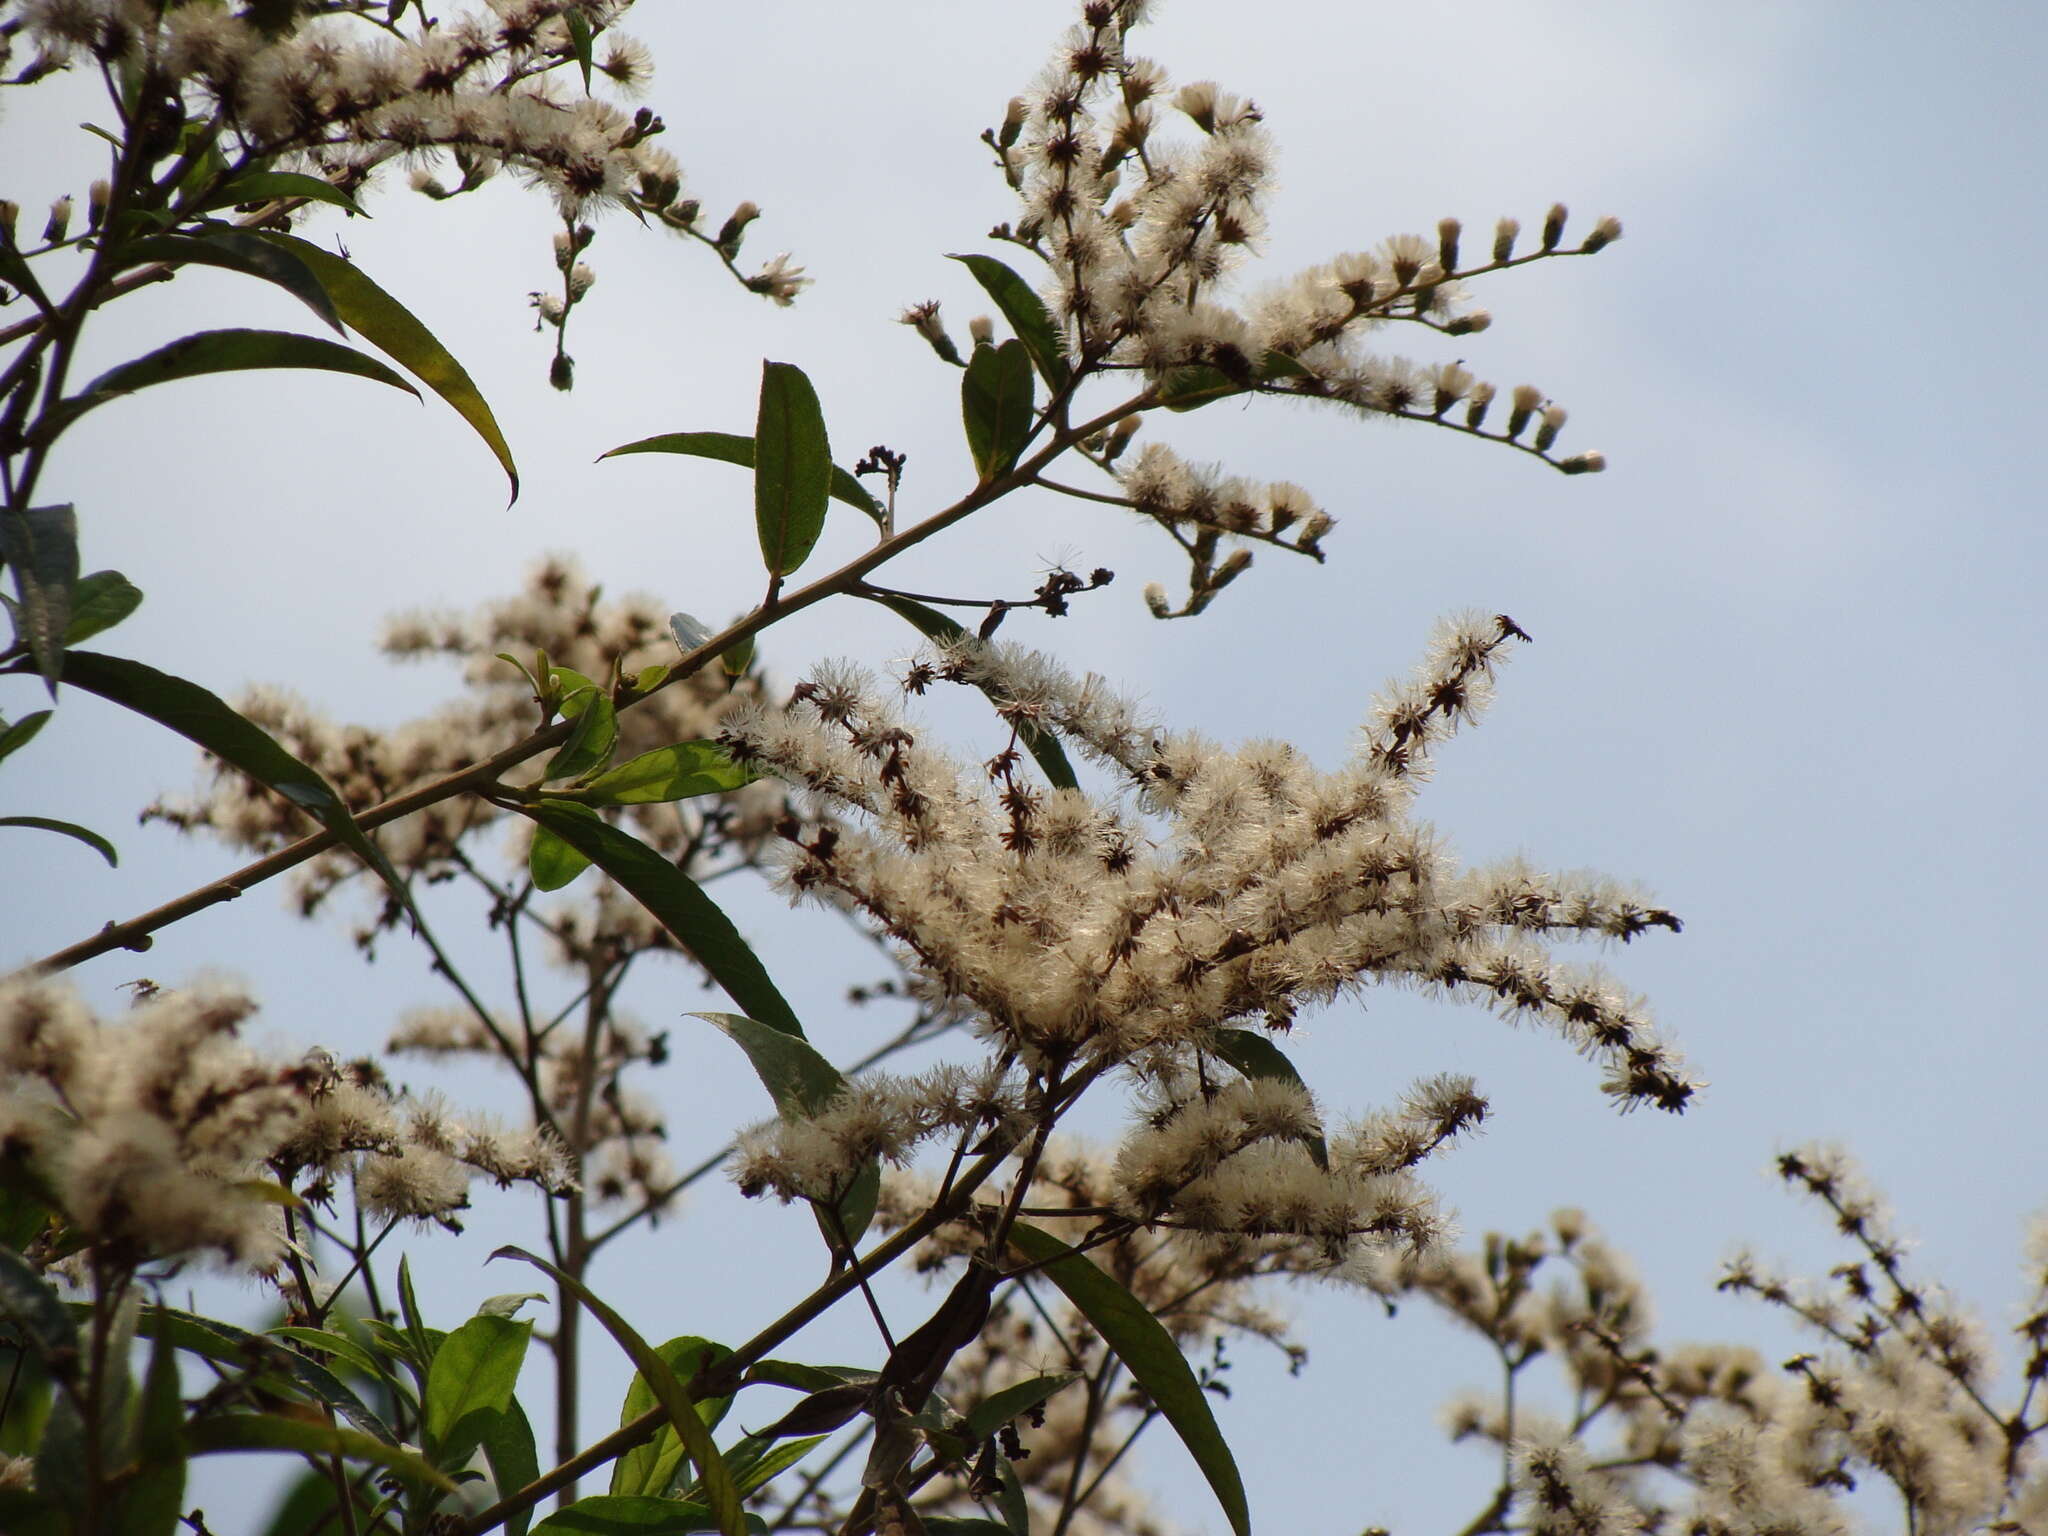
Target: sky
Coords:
[[1784, 671]]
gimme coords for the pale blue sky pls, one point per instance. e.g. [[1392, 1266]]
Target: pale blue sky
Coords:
[[1785, 666]]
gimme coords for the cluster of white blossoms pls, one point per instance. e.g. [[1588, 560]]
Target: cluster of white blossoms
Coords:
[[1713, 1439], [1078, 936], [1140, 232], [562, 613], [350, 88], [163, 1136], [620, 1133]]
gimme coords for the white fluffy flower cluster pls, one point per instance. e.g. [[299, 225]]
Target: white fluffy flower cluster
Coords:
[[163, 1135], [1140, 232], [349, 91], [1083, 933]]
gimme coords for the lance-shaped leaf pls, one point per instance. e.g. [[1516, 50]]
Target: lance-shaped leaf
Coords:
[[1149, 1354], [514, 1460], [552, 863], [231, 351], [269, 1432], [792, 468], [40, 545], [271, 186], [667, 773], [720, 1496], [802, 1083], [1256, 1056], [240, 1349], [1188, 389], [390, 327], [238, 250], [203, 717], [677, 901], [993, 1412], [995, 406], [1027, 315], [472, 1379], [22, 732], [86, 835], [615, 1514], [650, 1466], [153, 1499], [98, 603], [597, 730], [1039, 742], [731, 448]]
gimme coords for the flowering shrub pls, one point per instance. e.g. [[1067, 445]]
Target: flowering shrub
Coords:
[[1084, 904]]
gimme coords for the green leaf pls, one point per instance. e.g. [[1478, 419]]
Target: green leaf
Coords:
[[1010, 1501], [995, 405], [792, 468], [152, 1501], [1000, 1408], [751, 1473], [229, 351], [552, 863], [1257, 1057], [204, 718], [423, 1346], [240, 1349], [22, 732], [237, 250], [667, 773], [805, 1378], [514, 1460], [579, 42], [721, 1496], [271, 1432], [1027, 314], [60, 1456], [1149, 1354], [99, 602], [677, 901], [390, 327], [596, 732], [611, 1514], [474, 1371], [41, 545], [961, 1525], [44, 1320], [85, 835], [339, 1345], [802, 1083], [649, 1467], [731, 448], [1043, 746], [269, 186], [1188, 389]]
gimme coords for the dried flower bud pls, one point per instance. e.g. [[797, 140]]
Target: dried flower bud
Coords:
[[1235, 564], [551, 307], [1447, 232], [1156, 600], [59, 222], [1120, 437], [562, 372], [10, 216], [1528, 400], [1504, 239], [1553, 226], [924, 319], [565, 250], [1468, 323], [1589, 463], [1546, 432], [981, 330], [734, 229], [1013, 121], [1476, 402], [96, 203], [580, 279], [1604, 233]]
